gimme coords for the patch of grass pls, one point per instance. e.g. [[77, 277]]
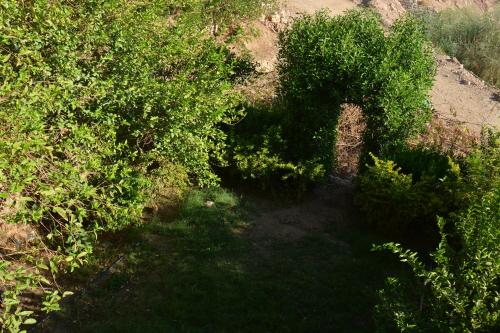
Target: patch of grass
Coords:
[[470, 35], [201, 273]]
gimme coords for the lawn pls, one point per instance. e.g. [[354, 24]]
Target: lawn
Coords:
[[204, 272]]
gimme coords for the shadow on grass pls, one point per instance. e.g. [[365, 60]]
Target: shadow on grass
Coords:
[[201, 273]]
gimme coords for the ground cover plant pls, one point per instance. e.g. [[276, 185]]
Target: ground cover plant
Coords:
[[324, 62], [470, 35], [98, 100]]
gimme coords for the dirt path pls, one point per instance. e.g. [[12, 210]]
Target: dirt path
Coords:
[[311, 6], [457, 95]]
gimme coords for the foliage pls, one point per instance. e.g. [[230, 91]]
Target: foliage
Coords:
[[97, 100], [400, 201], [470, 35], [259, 155], [460, 289], [323, 62], [406, 194], [327, 61]]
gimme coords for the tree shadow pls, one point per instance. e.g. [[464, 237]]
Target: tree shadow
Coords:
[[202, 273]]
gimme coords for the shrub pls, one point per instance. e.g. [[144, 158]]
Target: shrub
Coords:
[[400, 202], [259, 154], [458, 291], [421, 183], [324, 62], [470, 35], [95, 97]]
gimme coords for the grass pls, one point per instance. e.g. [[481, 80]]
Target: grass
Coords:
[[201, 273], [470, 35]]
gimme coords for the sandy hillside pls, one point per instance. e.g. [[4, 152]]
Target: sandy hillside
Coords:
[[457, 94], [311, 6]]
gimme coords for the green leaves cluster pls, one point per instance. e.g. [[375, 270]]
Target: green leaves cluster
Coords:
[[458, 290], [399, 201], [95, 96], [325, 61]]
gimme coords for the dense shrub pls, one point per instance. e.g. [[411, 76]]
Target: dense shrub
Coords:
[[400, 202], [96, 97], [471, 35], [326, 61], [458, 291], [408, 192], [258, 151]]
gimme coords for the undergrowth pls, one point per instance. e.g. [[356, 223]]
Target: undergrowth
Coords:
[[456, 289]]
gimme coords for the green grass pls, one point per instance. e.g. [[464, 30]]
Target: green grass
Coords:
[[470, 35], [197, 274]]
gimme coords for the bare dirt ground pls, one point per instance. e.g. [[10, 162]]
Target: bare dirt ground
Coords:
[[329, 204], [458, 95], [311, 6]]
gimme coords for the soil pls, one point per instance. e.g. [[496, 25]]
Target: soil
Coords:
[[460, 95], [329, 204]]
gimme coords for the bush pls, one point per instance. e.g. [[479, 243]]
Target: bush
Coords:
[[400, 202], [261, 154], [470, 35], [408, 193], [98, 100], [326, 61], [458, 291]]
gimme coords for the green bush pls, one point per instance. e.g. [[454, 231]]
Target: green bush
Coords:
[[261, 154], [326, 61], [401, 202], [470, 35], [458, 290], [98, 99], [407, 193]]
